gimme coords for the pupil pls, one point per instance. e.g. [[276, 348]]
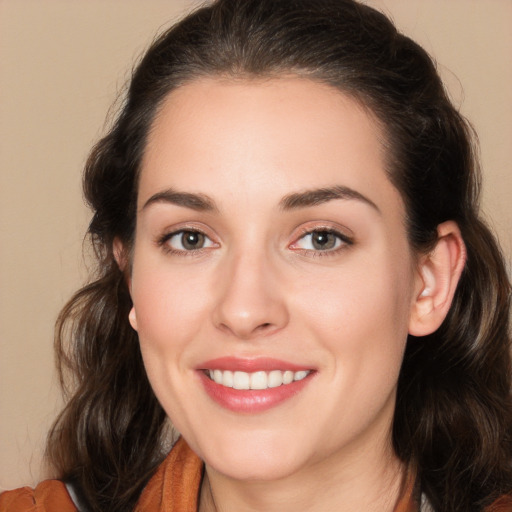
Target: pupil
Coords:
[[323, 240], [192, 240]]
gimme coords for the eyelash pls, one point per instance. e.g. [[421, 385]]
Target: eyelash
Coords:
[[344, 240], [163, 242]]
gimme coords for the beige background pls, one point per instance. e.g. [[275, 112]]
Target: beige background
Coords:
[[62, 63]]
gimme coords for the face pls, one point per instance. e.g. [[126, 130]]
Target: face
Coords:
[[272, 280]]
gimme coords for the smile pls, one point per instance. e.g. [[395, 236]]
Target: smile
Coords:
[[253, 386], [257, 380]]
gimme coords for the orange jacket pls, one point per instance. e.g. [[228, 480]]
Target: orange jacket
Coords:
[[173, 488]]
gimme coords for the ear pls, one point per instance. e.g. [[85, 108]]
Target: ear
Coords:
[[438, 275], [122, 261], [132, 318], [120, 254]]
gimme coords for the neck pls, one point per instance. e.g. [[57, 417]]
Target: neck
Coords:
[[370, 483]]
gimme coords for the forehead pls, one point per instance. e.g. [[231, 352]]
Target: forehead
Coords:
[[290, 133]]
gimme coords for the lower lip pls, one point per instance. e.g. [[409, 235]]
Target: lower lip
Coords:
[[251, 400]]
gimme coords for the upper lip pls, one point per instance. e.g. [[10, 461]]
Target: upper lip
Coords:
[[250, 365]]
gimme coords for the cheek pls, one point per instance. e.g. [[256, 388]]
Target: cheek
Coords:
[[361, 316], [170, 316], [169, 306], [369, 294]]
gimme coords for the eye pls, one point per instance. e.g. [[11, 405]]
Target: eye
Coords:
[[187, 240], [321, 240]]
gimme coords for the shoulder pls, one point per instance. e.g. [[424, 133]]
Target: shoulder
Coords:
[[503, 504], [48, 496], [176, 482], [173, 488]]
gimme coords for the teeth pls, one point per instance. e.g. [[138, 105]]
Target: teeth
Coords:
[[288, 377], [259, 380], [227, 379], [241, 380], [300, 375], [256, 380], [217, 376], [275, 379]]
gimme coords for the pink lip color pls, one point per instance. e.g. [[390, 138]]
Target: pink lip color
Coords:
[[265, 364], [251, 400]]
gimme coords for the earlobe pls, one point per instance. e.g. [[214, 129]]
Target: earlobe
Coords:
[[122, 262], [439, 273], [132, 317]]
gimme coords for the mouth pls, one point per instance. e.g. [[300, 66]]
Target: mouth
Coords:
[[259, 380], [252, 385]]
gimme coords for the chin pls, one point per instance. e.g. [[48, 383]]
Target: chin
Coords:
[[266, 467], [257, 456]]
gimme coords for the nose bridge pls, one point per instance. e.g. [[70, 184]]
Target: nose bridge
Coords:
[[250, 299]]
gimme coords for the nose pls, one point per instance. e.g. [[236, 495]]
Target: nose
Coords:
[[250, 297]]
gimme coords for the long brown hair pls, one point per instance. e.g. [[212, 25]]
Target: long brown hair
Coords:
[[453, 416]]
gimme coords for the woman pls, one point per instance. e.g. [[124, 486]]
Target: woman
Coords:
[[292, 269]]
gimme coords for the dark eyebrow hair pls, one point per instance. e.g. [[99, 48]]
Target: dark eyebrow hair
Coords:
[[305, 199], [198, 202], [318, 196]]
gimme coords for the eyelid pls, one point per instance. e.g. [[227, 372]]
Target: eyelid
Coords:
[[310, 228], [162, 239]]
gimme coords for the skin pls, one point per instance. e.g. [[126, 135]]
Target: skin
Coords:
[[258, 287]]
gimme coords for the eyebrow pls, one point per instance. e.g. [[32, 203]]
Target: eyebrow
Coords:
[[297, 200], [322, 195], [198, 202]]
